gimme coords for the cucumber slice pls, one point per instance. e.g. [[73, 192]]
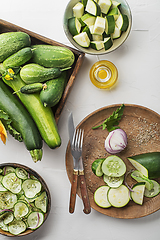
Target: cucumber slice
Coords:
[[97, 167], [154, 191], [119, 197], [138, 193], [108, 43], [82, 39], [16, 227], [110, 24], [97, 45], [93, 8], [122, 22], [74, 26], [113, 182], [12, 182], [113, 166], [7, 170], [78, 10], [7, 200], [88, 19], [8, 217], [99, 26], [138, 176], [139, 167], [35, 220], [31, 187], [3, 226], [20, 209], [105, 5], [41, 202], [2, 188], [21, 173], [117, 33], [100, 197]]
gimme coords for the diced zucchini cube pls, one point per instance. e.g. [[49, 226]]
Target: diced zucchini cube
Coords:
[[74, 26], [97, 45], [78, 10], [110, 24], [88, 19], [93, 8], [96, 37], [108, 43], [117, 33], [82, 39], [105, 5], [99, 25]]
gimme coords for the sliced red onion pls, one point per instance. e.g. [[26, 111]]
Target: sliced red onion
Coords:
[[116, 141]]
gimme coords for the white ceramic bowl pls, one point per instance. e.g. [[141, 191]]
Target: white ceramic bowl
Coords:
[[125, 9]]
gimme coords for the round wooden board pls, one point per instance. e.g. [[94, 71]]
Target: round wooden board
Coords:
[[142, 126]]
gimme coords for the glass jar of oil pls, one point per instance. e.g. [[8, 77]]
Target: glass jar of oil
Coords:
[[104, 74]]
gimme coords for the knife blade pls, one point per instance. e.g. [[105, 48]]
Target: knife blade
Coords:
[[75, 167]]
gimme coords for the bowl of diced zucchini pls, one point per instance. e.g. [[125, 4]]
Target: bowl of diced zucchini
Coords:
[[24, 200], [97, 26]]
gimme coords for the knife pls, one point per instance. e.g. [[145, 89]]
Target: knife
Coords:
[[78, 169]]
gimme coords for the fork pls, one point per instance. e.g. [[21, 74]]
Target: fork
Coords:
[[76, 150]]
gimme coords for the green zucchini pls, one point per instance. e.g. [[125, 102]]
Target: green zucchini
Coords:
[[21, 121], [52, 93], [11, 42], [147, 163], [52, 56], [34, 73], [19, 58], [42, 116]]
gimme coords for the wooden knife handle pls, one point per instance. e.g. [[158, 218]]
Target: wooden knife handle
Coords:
[[73, 191], [84, 193]]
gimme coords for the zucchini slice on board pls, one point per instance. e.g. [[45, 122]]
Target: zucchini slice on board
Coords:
[[100, 197], [154, 191], [113, 166], [140, 178], [97, 167], [119, 197], [138, 193], [113, 182]]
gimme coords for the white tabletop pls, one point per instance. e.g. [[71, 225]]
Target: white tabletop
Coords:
[[137, 61]]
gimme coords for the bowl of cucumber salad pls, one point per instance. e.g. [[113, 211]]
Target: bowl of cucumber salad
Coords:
[[97, 26], [24, 200]]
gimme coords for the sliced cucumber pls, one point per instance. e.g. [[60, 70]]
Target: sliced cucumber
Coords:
[[139, 167], [3, 226], [8, 217], [100, 197], [113, 182], [82, 39], [97, 45], [31, 187], [7, 200], [138, 193], [20, 209], [154, 191], [35, 220], [8, 169], [99, 26], [117, 33], [78, 10], [105, 5], [122, 22], [113, 166], [21, 173], [110, 24], [108, 43], [41, 202], [74, 26], [16, 227], [88, 19], [2, 188], [93, 8], [119, 197], [97, 167], [138, 176], [12, 182]]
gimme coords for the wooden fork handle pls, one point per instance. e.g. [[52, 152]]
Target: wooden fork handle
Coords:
[[84, 193], [73, 191]]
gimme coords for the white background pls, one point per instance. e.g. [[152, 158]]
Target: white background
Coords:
[[138, 65]]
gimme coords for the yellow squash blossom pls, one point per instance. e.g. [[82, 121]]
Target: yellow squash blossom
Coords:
[[3, 133]]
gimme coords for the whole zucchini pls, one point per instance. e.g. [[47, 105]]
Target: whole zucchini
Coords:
[[51, 94], [21, 121], [11, 42], [19, 58], [52, 56], [147, 163], [42, 116], [34, 73]]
